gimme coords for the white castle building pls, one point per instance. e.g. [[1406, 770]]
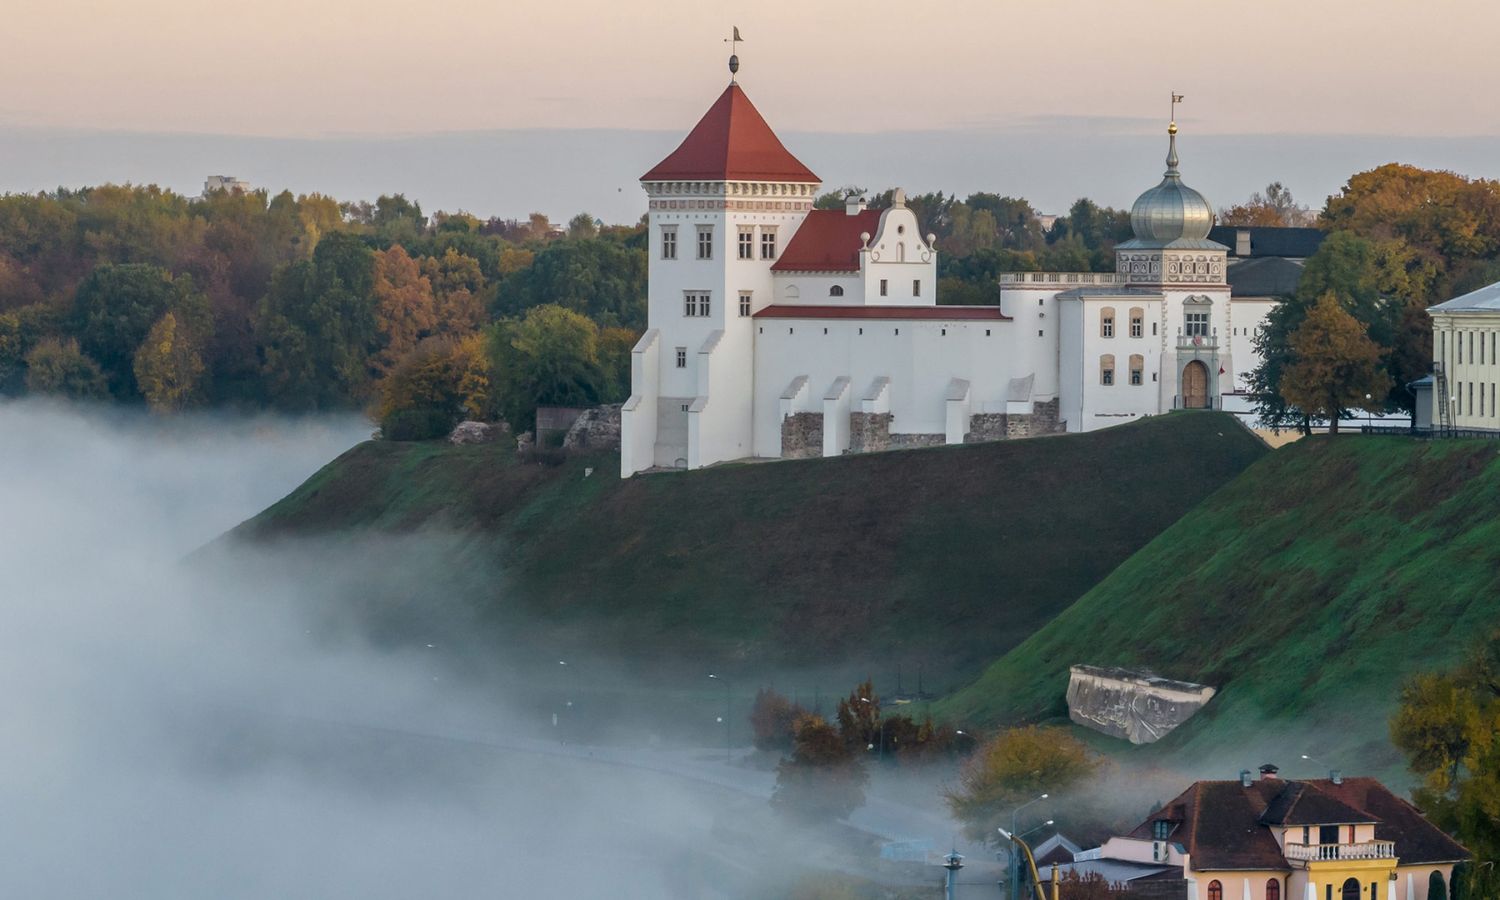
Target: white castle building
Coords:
[[778, 330]]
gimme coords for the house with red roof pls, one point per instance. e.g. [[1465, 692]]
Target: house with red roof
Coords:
[[1270, 838], [778, 330]]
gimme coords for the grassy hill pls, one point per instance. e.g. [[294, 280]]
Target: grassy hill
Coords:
[[945, 557], [1305, 590]]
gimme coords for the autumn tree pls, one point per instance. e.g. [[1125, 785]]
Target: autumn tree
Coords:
[[773, 720], [822, 779], [1448, 726], [59, 368], [117, 305], [859, 717], [1334, 365], [169, 366], [1275, 208], [439, 383], [457, 292], [1013, 767], [404, 307]]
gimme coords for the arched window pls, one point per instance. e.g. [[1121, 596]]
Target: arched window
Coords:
[[1435, 885], [1215, 890], [1137, 321], [1351, 890], [1137, 368], [793, 292], [1273, 889], [1107, 322], [836, 291], [1107, 369]]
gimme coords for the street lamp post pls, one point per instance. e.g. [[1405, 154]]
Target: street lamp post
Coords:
[[1015, 862], [728, 740], [1367, 412], [953, 862], [880, 755]]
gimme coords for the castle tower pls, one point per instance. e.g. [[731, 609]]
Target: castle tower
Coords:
[[1171, 253], [721, 208]]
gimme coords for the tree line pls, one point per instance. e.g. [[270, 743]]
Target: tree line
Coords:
[[139, 295], [249, 300]]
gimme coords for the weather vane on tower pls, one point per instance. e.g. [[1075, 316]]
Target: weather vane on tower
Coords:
[[1172, 122], [734, 57]]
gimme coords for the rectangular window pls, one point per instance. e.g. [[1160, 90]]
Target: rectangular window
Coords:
[[1153, 329], [703, 304], [682, 357], [916, 287], [882, 287], [695, 303], [1137, 376], [1458, 343], [744, 304], [1197, 324], [1471, 347], [1107, 326], [1107, 376], [768, 242], [669, 242], [705, 242], [1137, 326], [747, 242]]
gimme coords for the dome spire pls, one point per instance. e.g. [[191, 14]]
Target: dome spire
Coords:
[[1172, 138]]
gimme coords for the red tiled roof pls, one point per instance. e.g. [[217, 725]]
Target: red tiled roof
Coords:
[[1221, 824], [731, 141], [947, 313], [828, 241]]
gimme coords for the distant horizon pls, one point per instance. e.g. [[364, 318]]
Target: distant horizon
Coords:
[[596, 170]]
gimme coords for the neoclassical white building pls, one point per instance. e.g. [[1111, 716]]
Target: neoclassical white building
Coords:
[[778, 330]]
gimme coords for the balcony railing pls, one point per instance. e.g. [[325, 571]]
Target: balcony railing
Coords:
[[1059, 278], [1319, 852]]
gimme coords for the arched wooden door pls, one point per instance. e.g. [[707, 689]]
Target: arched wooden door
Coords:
[[1195, 385]]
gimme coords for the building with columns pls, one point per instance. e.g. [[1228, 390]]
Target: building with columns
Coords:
[[777, 330], [1462, 392]]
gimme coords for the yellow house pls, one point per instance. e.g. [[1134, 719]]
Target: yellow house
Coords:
[[1271, 839]]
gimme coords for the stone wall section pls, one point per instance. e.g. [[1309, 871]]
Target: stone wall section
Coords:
[[595, 429], [910, 441], [802, 435], [1003, 427], [869, 432]]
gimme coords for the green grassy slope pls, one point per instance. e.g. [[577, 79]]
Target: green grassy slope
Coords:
[[1307, 589], [945, 557]]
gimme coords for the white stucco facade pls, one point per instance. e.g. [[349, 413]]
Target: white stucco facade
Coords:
[[1466, 361], [778, 330]]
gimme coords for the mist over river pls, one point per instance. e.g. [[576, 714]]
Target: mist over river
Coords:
[[197, 729]]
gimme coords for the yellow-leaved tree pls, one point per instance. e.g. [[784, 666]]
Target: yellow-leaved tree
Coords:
[[169, 366], [1335, 366], [1012, 768], [404, 307]]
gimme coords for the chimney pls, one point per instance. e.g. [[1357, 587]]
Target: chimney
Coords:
[[1244, 777], [1268, 772], [854, 205], [1335, 776]]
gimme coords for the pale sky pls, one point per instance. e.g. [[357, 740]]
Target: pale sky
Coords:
[[319, 68]]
